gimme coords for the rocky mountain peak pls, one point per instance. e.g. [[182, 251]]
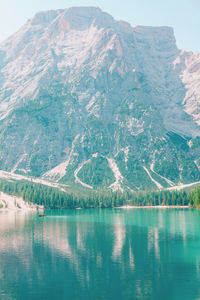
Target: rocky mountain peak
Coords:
[[44, 17], [77, 18]]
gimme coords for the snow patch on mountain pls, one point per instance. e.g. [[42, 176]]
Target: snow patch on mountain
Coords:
[[135, 126], [167, 180], [18, 162], [118, 177], [91, 103], [13, 176], [182, 186], [126, 152], [59, 171], [159, 186], [76, 174], [197, 164]]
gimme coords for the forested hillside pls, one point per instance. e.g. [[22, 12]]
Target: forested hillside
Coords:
[[54, 198]]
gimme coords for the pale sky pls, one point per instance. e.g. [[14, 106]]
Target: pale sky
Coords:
[[182, 15]]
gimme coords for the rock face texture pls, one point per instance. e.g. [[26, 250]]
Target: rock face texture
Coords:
[[88, 100]]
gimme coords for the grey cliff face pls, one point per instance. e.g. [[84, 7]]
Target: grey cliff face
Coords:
[[88, 100]]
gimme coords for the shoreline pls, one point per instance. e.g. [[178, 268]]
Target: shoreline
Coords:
[[153, 206], [13, 203]]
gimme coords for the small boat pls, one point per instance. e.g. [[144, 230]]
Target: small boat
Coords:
[[41, 216]]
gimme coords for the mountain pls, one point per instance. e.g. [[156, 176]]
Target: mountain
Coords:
[[93, 102]]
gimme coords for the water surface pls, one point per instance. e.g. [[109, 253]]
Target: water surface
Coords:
[[101, 254]]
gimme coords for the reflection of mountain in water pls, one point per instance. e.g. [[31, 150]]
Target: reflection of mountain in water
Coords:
[[110, 254]]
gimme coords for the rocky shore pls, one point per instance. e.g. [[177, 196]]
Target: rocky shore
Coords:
[[11, 202]]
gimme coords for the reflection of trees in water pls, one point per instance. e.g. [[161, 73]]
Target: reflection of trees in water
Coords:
[[121, 254]]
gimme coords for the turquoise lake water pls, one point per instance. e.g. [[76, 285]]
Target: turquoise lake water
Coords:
[[101, 254]]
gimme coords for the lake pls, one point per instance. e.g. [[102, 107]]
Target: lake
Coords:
[[100, 254]]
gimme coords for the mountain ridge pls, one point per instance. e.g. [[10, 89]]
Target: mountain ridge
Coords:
[[117, 105]]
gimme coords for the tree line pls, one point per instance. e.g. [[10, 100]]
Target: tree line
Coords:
[[195, 197], [54, 198]]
